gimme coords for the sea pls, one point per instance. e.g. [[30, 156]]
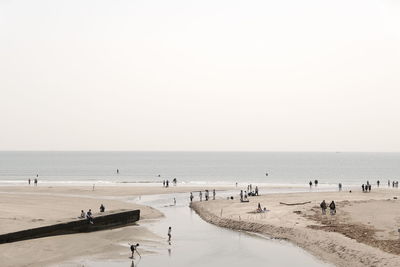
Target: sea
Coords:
[[197, 168]]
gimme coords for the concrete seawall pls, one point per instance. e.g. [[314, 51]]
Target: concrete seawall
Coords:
[[101, 222]]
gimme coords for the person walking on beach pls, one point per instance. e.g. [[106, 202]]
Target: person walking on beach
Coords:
[[169, 234], [163, 183], [213, 194], [310, 183], [377, 183], [29, 181], [256, 192], [323, 207], [362, 187], [191, 196], [167, 183], [201, 196], [241, 195], [35, 181], [340, 187], [332, 208]]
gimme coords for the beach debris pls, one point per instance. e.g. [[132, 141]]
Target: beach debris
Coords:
[[293, 204]]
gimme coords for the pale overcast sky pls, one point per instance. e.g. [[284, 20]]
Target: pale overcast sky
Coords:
[[287, 75]]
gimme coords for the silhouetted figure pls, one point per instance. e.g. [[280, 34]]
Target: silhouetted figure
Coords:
[[169, 234], [256, 192], [340, 187], [201, 196], [133, 249], [36, 181], [316, 183], [213, 194], [377, 183], [310, 183], [29, 181], [102, 208], [89, 216], [363, 188], [117, 171], [191, 196], [323, 207], [332, 208]]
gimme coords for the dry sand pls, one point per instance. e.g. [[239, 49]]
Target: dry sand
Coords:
[[362, 233], [24, 207]]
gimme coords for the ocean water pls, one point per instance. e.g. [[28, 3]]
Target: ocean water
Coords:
[[283, 168]]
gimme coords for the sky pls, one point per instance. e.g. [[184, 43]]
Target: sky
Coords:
[[219, 75]]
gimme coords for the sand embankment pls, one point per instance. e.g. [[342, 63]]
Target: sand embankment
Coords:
[[362, 233]]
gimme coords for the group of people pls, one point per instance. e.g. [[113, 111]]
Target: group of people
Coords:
[[395, 184], [249, 192], [89, 215], [315, 183], [206, 195], [35, 181], [259, 209], [252, 192], [166, 182], [332, 207], [366, 187]]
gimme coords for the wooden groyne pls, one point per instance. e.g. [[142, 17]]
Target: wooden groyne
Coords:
[[100, 222]]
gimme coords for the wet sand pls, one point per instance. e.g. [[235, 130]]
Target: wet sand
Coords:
[[362, 233]]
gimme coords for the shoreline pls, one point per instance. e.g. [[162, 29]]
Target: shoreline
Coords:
[[303, 226]]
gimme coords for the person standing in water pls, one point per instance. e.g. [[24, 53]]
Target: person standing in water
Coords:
[[169, 234], [133, 249], [35, 181], [191, 196]]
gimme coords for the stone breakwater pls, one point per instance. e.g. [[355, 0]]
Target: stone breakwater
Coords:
[[112, 219]]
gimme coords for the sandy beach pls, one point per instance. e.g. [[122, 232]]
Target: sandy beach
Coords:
[[25, 207], [362, 233]]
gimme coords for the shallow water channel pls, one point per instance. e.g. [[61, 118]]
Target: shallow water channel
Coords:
[[198, 243]]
